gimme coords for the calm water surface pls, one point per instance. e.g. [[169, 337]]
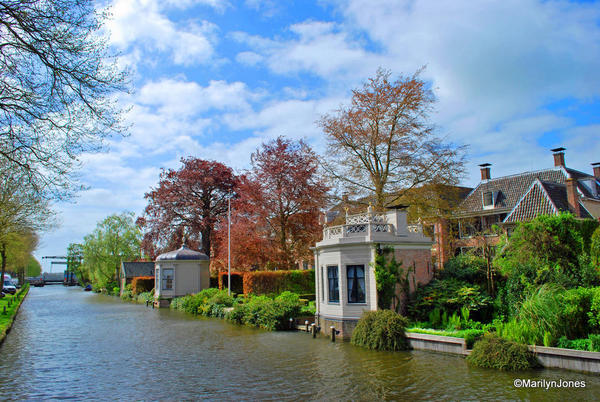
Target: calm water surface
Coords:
[[67, 343]]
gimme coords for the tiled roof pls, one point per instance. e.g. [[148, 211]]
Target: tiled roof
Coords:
[[538, 201], [511, 189], [135, 269]]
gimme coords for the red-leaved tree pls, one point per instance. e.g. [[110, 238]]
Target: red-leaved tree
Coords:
[[279, 203], [186, 201]]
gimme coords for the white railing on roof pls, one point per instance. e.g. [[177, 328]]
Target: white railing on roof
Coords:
[[359, 225], [366, 218], [356, 230]]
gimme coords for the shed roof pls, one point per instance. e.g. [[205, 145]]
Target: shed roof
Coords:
[[138, 268]]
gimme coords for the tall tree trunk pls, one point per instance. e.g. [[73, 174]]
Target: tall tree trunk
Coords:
[[206, 232]]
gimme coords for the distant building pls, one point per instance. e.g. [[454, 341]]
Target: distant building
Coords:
[[504, 201], [130, 270], [178, 273]]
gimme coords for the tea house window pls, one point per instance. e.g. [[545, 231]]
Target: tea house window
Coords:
[[356, 283], [334, 290]]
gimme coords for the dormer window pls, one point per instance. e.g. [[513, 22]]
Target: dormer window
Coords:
[[489, 199]]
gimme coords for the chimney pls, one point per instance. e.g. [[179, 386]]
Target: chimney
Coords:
[[485, 171], [559, 156], [573, 197], [596, 167]]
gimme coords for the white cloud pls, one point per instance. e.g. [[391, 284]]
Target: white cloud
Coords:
[[136, 23], [320, 48], [185, 98], [249, 58]]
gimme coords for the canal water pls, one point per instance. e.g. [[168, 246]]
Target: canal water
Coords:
[[67, 343]]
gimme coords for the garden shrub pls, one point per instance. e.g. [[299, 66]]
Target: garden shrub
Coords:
[[381, 330], [264, 312], [495, 352], [594, 311], [127, 295], [577, 344], [577, 311], [145, 297], [465, 267], [595, 248], [548, 249], [142, 284], [449, 296]]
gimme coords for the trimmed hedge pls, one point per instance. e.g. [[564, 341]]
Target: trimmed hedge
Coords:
[[237, 282], [142, 284], [502, 354], [275, 282], [381, 330]]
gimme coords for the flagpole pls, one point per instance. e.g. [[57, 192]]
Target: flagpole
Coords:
[[229, 246]]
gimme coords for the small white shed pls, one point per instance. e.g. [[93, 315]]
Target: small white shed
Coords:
[[179, 273]]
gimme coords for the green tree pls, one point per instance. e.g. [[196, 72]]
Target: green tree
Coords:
[[74, 260], [34, 268], [115, 239]]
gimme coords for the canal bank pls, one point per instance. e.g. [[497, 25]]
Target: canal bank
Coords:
[[72, 344], [9, 308]]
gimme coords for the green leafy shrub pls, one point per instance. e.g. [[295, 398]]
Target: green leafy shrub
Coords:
[[264, 312], [591, 343], [594, 311], [145, 297], [577, 311], [127, 295], [495, 352], [464, 267], [381, 330], [449, 296], [594, 342], [548, 249]]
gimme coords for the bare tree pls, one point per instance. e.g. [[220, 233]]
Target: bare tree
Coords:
[[383, 144], [57, 87]]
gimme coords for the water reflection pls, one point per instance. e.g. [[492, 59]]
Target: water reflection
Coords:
[[69, 343]]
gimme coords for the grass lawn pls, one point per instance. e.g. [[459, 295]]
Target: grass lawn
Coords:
[[11, 303]]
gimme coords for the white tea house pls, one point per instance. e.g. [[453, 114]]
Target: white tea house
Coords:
[[179, 273], [345, 278]]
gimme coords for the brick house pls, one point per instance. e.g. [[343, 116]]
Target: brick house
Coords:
[[504, 201]]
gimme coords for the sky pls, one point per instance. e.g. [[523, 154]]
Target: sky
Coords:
[[215, 79]]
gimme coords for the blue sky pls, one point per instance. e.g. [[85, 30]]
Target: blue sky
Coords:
[[216, 78]]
